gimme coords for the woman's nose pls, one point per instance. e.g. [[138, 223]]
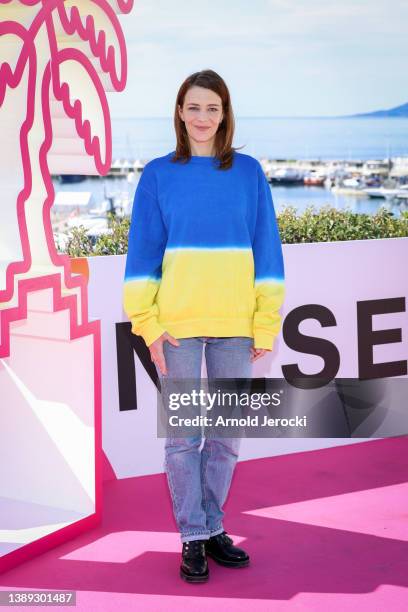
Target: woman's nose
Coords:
[[203, 116]]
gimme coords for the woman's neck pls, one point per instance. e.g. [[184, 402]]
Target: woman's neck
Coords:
[[202, 149]]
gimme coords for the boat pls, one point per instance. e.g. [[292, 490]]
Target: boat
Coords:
[[353, 183], [349, 186], [286, 176], [402, 193], [315, 179], [387, 193]]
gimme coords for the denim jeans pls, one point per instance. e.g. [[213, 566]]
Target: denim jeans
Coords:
[[199, 481]]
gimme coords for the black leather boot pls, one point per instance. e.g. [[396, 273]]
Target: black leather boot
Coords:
[[221, 548], [194, 566]]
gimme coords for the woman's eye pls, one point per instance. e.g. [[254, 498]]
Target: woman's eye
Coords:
[[214, 110]]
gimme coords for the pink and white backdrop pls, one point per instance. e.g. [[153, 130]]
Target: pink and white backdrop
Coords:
[[66, 422], [58, 60], [348, 296]]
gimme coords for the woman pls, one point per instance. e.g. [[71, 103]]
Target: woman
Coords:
[[204, 270]]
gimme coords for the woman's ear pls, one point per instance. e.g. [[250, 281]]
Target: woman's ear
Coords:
[[180, 112]]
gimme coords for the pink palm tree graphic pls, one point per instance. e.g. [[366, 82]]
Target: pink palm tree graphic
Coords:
[[44, 78], [55, 52]]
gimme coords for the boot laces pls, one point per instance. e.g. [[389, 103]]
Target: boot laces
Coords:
[[226, 538], [195, 546]]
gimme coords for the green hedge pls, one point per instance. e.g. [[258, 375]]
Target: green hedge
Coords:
[[329, 224], [326, 224]]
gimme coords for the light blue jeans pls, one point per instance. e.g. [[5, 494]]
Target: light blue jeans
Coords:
[[199, 481]]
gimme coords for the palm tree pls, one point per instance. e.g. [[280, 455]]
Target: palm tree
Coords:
[[53, 57], [45, 46]]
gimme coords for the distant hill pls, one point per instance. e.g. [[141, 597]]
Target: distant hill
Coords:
[[397, 111]]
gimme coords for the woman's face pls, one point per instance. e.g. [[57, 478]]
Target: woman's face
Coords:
[[201, 113]]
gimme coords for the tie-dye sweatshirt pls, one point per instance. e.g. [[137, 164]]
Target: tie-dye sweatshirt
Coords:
[[204, 255]]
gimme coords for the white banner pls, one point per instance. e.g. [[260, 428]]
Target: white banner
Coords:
[[344, 316]]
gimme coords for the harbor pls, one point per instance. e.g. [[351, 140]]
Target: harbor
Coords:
[[380, 179], [360, 164], [384, 178], [359, 185]]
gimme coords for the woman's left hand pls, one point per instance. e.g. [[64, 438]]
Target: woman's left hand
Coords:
[[257, 353]]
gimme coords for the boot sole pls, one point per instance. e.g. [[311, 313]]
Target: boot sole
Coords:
[[189, 578], [243, 563]]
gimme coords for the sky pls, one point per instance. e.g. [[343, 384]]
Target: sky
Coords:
[[278, 57]]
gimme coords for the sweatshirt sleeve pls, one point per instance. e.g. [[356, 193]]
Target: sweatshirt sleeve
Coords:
[[269, 269], [147, 242]]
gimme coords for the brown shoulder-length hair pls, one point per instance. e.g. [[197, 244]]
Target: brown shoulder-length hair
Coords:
[[224, 151]]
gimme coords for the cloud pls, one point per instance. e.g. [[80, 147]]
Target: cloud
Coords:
[[329, 52]]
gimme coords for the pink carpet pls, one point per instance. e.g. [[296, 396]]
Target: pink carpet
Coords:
[[326, 530]]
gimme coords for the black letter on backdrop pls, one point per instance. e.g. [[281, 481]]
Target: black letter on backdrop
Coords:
[[368, 338], [126, 344], [310, 345]]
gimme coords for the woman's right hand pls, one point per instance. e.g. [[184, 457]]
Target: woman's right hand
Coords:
[[156, 351]]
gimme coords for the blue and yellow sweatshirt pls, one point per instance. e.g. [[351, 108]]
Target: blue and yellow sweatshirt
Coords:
[[204, 255]]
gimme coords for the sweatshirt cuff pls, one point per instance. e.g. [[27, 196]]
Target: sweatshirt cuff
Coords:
[[263, 340], [150, 331]]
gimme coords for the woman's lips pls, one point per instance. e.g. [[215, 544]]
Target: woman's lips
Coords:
[[202, 129]]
